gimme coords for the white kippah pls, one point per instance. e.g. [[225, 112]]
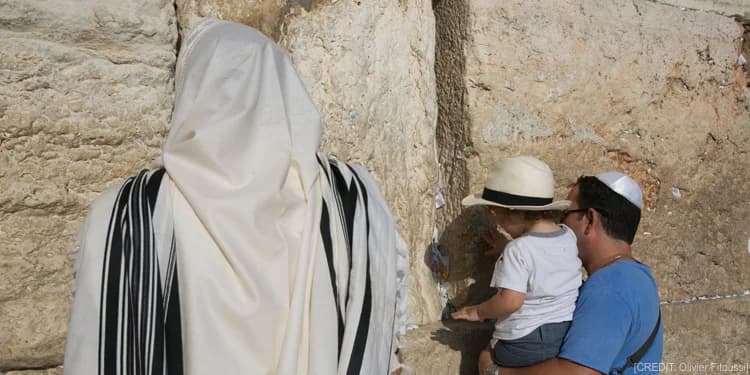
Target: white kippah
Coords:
[[623, 185]]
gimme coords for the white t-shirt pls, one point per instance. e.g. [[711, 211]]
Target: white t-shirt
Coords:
[[544, 266]]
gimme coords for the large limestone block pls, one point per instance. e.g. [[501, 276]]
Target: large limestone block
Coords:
[[369, 68], [589, 86], [706, 332], [85, 97]]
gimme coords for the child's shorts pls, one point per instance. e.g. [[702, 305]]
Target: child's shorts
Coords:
[[541, 344]]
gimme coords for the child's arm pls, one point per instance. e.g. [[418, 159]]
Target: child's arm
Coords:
[[502, 304]]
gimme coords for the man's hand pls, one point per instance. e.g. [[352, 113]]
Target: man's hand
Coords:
[[467, 313]]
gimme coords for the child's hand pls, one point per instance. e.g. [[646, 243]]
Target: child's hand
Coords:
[[467, 313]]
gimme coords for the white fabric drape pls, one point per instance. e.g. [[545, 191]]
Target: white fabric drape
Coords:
[[241, 153], [243, 197]]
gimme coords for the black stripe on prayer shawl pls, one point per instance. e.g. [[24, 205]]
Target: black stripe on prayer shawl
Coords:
[[347, 195], [110, 277], [133, 334], [360, 340], [326, 237], [347, 190], [325, 233], [323, 166], [172, 325]]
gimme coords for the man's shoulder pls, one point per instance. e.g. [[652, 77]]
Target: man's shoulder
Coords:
[[629, 281], [627, 273]]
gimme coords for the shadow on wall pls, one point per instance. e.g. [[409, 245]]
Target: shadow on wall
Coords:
[[468, 282], [466, 338], [465, 241]]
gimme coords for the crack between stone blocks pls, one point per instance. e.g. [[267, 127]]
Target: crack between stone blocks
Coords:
[[732, 16], [708, 298]]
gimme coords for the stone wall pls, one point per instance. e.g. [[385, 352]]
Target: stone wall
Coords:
[[427, 94], [86, 89], [588, 87], [725, 7], [88, 99], [651, 89]]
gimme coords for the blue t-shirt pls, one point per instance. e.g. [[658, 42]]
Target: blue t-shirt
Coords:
[[617, 309]]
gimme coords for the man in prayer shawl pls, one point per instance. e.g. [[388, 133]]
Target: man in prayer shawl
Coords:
[[244, 252]]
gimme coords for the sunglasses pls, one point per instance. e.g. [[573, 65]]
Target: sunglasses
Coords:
[[568, 212]]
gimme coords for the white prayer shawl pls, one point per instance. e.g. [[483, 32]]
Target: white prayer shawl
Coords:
[[237, 223], [369, 286]]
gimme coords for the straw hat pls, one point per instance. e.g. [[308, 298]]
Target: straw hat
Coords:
[[519, 183]]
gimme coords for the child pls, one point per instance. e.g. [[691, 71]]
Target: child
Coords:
[[538, 274]]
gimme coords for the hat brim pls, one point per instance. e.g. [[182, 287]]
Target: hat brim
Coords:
[[476, 200]]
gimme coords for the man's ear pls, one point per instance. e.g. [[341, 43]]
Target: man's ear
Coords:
[[590, 215]]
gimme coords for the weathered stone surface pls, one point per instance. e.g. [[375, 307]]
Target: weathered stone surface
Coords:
[[726, 7], [51, 371], [85, 97], [696, 334], [369, 68], [590, 86], [268, 16], [702, 333], [450, 347]]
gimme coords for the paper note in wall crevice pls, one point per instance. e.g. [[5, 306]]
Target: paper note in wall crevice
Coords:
[[439, 263]]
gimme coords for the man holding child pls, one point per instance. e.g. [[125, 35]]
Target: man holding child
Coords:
[[616, 322]]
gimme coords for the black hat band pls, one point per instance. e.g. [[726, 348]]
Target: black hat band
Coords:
[[513, 200]]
